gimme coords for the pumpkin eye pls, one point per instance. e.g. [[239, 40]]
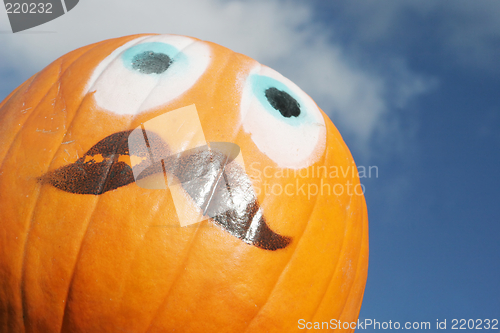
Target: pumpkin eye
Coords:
[[148, 72], [282, 120]]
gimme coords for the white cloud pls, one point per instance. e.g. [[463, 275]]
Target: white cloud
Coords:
[[283, 35]]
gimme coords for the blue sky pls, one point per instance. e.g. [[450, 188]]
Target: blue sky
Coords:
[[435, 250], [412, 86]]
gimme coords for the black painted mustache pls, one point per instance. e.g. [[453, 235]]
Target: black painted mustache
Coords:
[[220, 188]]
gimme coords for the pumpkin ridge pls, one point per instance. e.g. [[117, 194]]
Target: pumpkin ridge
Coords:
[[297, 240], [333, 276], [226, 64], [179, 272], [98, 197], [78, 255], [342, 247], [363, 250], [177, 275], [89, 220], [23, 298], [135, 252], [248, 106], [340, 256], [27, 118], [32, 213], [132, 261], [22, 282], [58, 81], [292, 255], [360, 257], [354, 281]]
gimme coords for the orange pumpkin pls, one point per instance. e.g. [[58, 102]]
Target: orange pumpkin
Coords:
[[87, 244]]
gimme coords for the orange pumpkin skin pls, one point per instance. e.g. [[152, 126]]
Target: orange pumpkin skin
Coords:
[[119, 261]]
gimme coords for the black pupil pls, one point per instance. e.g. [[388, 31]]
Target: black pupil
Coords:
[[150, 62], [283, 102]]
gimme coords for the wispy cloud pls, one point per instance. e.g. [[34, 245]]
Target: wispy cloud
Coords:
[[466, 33], [283, 35]]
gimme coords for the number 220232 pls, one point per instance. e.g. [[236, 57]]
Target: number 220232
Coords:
[[28, 8]]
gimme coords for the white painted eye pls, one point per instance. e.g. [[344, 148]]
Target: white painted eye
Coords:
[[148, 72], [283, 121]]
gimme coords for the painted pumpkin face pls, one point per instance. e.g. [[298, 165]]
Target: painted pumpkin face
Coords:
[[161, 183]]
